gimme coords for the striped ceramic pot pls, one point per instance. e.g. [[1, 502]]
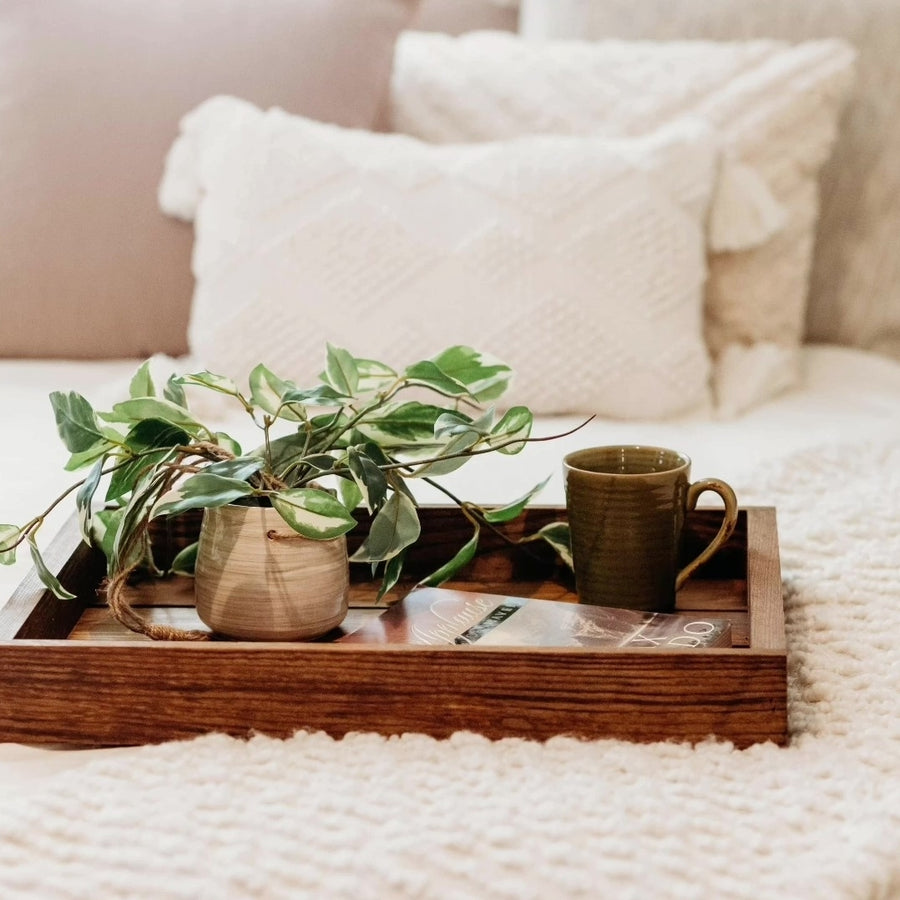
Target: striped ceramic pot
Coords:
[[258, 580]]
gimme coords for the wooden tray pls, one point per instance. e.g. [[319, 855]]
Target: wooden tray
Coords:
[[70, 674]]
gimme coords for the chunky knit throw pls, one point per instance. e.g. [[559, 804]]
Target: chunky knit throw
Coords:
[[368, 816]]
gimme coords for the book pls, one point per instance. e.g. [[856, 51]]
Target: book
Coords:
[[444, 616]]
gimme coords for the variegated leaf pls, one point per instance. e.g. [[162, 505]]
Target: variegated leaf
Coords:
[[186, 560], [84, 499], [556, 534], [341, 371], [9, 535], [200, 491], [142, 382], [516, 423], [512, 510], [48, 579], [394, 528], [76, 422], [313, 513], [460, 560]]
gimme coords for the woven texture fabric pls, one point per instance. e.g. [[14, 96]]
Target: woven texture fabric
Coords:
[[775, 106], [579, 263], [855, 283], [414, 817]]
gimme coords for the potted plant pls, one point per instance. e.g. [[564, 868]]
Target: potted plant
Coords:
[[271, 562]]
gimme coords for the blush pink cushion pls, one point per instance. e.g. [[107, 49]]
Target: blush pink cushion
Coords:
[[90, 98], [459, 16]]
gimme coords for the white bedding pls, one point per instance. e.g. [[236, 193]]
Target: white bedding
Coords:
[[847, 395], [368, 817]]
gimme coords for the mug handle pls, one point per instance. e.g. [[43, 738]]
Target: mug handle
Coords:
[[725, 530]]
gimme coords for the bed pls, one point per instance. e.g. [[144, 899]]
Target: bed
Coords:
[[414, 816], [410, 816]]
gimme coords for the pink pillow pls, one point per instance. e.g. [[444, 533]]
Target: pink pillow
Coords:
[[90, 98], [459, 16]]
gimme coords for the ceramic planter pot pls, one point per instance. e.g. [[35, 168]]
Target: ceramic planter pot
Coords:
[[258, 580]]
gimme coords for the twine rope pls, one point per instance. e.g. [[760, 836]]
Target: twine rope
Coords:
[[114, 591], [114, 588]]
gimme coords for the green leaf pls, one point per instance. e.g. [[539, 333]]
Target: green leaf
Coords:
[[267, 391], [84, 498], [9, 535], [174, 392], [240, 469], [283, 452], [462, 558], [341, 371], [185, 560], [556, 534], [134, 514], [200, 491], [516, 423], [374, 375], [329, 429], [313, 513], [150, 434], [394, 479], [228, 443], [126, 477], [400, 424], [429, 374], [485, 378], [321, 462], [338, 419], [323, 395], [368, 477], [293, 467], [104, 527], [455, 424], [141, 408], [76, 422], [458, 444], [349, 493], [48, 579], [142, 382], [376, 454], [484, 422], [398, 483], [210, 380], [452, 422], [395, 527], [512, 510], [393, 569], [80, 460]]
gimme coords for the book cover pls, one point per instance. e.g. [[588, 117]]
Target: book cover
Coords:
[[444, 616]]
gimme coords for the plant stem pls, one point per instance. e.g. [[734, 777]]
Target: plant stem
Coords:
[[267, 424], [379, 400], [32, 526], [471, 511], [412, 465], [479, 452], [297, 461]]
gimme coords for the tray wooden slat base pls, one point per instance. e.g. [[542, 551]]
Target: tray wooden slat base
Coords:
[[71, 674]]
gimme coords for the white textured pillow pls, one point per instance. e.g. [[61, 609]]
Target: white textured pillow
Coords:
[[579, 262], [855, 283], [775, 106]]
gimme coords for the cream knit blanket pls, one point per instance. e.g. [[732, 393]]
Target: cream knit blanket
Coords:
[[414, 817]]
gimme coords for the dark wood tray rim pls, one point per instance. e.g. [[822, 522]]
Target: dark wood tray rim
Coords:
[[32, 610], [123, 692]]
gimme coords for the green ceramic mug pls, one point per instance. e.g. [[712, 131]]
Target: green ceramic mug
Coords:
[[626, 507]]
